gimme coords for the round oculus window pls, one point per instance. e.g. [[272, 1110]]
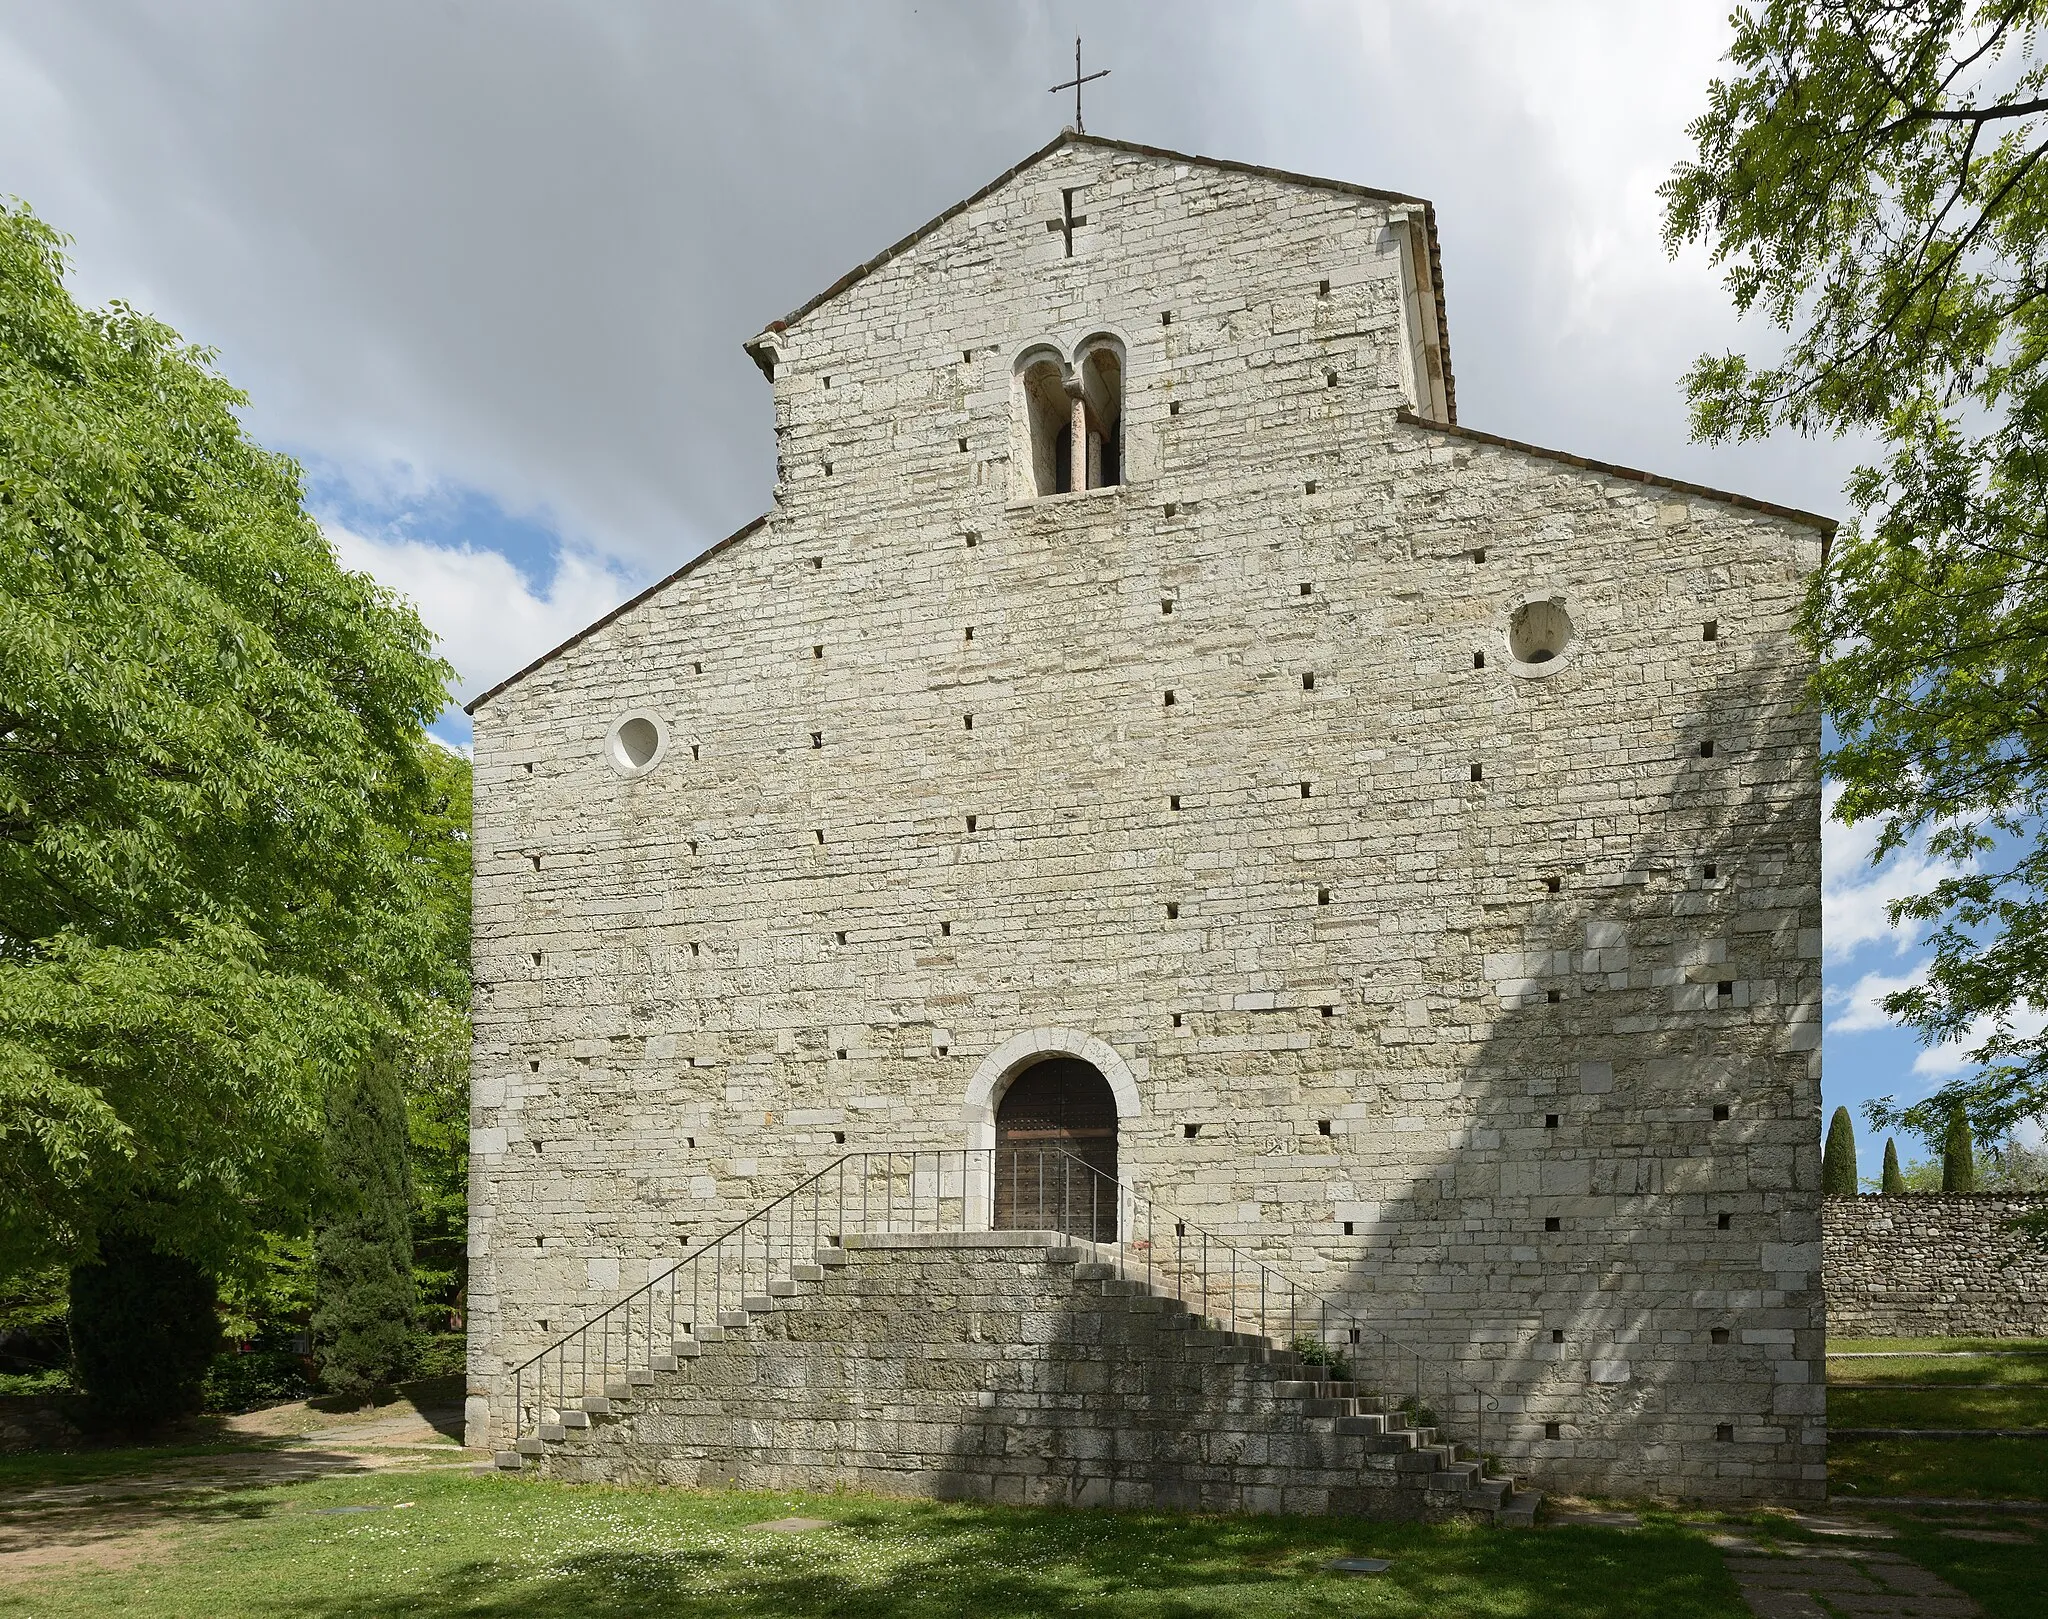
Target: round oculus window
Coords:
[[1539, 632], [636, 744]]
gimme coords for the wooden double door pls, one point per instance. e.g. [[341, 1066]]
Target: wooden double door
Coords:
[[1055, 1160]]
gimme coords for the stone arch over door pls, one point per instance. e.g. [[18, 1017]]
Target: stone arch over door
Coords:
[[1026, 1049]]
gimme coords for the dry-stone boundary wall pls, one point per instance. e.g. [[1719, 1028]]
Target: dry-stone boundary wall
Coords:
[[1933, 1267]]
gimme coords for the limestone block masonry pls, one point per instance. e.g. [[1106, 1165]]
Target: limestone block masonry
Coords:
[[1428, 825], [1003, 1367], [1927, 1266]]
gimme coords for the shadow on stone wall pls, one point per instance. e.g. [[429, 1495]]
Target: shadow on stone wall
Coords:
[[1676, 995]]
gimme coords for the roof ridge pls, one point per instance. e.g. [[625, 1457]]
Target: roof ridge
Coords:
[[1069, 137], [1826, 525], [624, 607]]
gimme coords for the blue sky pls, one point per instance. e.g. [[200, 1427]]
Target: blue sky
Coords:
[[486, 270]]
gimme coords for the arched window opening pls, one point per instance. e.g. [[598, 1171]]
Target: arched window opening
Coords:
[[1100, 413], [1055, 1159], [1047, 421]]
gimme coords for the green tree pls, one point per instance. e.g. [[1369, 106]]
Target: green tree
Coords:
[[1893, 1184], [1838, 1157], [366, 1310], [436, 1063], [143, 1329], [221, 881], [1871, 178], [1958, 1162]]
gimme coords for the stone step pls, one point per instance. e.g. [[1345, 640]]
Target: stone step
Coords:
[[1365, 1422], [1487, 1492], [1354, 1426]]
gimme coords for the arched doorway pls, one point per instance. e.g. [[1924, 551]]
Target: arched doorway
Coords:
[[1055, 1161]]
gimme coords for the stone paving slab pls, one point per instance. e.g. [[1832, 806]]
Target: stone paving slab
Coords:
[[1817, 1582]]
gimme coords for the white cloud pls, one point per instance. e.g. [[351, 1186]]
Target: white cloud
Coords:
[[1944, 1062], [488, 619], [1854, 894], [1859, 1008]]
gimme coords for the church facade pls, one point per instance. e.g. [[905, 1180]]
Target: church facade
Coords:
[[1147, 721]]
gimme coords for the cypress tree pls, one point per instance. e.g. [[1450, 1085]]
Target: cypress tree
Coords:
[[143, 1332], [1838, 1159], [1958, 1161], [365, 1318], [1894, 1182]]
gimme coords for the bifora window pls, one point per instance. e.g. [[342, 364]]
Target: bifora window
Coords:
[[1073, 417]]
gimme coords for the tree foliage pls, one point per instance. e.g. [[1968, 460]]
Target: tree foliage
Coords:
[[1838, 1157], [366, 1310], [143, 1330], [1873, 179], [220, 869], [1892, 1184], [1958, 1161]]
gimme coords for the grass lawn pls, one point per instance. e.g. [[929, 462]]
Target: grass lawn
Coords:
[[1971, 1469], [1938, 1346], [39, 1468], [471, 1545], [2016, 1370], [1869, 1394], [2006, 1578], [2024, 1406]]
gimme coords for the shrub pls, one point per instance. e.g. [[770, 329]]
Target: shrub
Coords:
[[1958, 1161], [1838, 1158], [1314, 1352], [260, 1377], [142, 1332], [365, 1321]]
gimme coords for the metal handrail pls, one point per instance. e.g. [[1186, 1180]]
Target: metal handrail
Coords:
[[935, 1190]]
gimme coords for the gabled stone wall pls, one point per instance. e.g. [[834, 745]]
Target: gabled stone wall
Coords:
[[1481, 995], [1933, 1266]]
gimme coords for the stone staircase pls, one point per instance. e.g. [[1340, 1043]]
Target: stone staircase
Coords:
[[1005, 1366]]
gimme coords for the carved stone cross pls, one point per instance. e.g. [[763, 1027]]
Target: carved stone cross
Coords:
[[1069, 219]]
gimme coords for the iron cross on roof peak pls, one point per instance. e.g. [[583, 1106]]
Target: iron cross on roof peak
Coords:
[[1074, 84]]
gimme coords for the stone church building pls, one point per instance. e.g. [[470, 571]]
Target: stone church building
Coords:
[[1146, 721]]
